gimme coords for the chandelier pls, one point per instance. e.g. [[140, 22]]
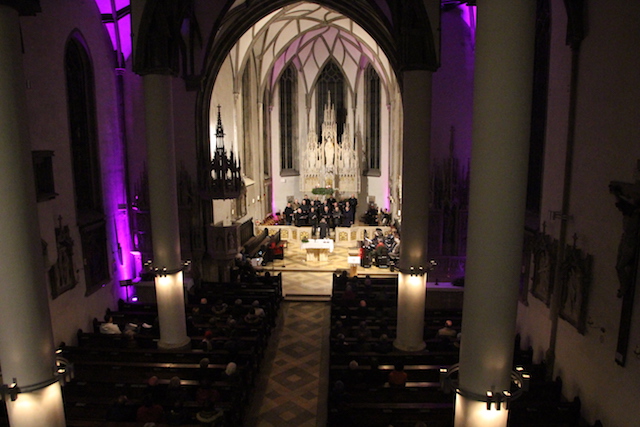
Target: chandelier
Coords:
[[226, 180]]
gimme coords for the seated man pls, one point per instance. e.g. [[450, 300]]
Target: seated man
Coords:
[[108, 327], [447, 331], [398, 377]]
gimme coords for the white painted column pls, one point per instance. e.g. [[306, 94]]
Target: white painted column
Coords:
[[27, 351], [499, 157], [416, 102], [163, 201]]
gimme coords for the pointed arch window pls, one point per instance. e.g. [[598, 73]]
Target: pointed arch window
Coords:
[[330, 84], [247, 158], [87, 179], [372, 120], [288, 121]]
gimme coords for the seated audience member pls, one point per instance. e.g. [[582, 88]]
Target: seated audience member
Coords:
[[447, 331], [121, 410], [174, 393], [207, 343], [349, 296], [131, 329], [108, 327], [153, 389], [251, 318], [238, 311], [384, 345], [341, 345], [149, 412], [338, 328], [210, 416], [204, 373], [259, 311], [219, 308], [397, 377], [363, 330], [177, 415], [230, 373], [363, 310], [206, 394], [355, 378]]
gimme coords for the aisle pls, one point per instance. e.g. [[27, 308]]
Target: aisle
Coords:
[[291, 389]]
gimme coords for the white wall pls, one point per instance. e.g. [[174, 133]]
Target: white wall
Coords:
[[606, 150]]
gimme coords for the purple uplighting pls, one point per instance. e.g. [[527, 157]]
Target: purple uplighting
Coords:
[[469, 17], [112, 8]]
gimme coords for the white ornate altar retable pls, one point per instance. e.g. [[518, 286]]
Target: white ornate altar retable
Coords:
[[330, 163]]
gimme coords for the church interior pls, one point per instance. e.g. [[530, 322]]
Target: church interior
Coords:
[[150, 150]]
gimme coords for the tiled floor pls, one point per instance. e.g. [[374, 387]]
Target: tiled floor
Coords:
[[292, 387], [313, 278]]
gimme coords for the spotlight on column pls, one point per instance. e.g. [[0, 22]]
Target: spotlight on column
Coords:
[[507, 399], [489, 399], [10, 390]]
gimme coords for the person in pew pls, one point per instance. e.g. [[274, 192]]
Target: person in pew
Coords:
[[219, 308], [108, 327], [206, 394], [204, 373], [341, 345], [210, 416], [192, 329], [447, 331], [232, 345], [384, 345], [251, 318], [177, 415], [153, 389], [362, 344], [175, 393], [363, 310], [207, 343], [397, 377], [349, 297], [338, 395], [259, 311], [376, 377], [339, 329], [121, 410], [230, 373], [238, 311], [355, 378], [150, 411], [384, 329], [341, 281], [363, 331]]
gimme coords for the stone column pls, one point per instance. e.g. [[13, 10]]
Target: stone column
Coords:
[[27, 351], [416, 103], [163, 201], [498, 183]]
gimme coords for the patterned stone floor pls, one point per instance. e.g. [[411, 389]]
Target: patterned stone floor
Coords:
[[291, 389], [313, 278]]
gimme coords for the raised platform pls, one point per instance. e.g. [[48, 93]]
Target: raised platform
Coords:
[[342, 236]]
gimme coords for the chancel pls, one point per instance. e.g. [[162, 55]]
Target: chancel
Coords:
[[274, 207]]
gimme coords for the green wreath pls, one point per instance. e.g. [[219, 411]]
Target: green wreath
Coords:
[[322, 191]]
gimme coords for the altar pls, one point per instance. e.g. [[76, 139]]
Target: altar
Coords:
[[317, 249]]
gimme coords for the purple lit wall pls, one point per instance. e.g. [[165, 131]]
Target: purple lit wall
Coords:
[[117, 212], [111, 8]]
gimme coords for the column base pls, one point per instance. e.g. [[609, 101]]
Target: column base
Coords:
[[409, 348], [472, 413], [185, 345]]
